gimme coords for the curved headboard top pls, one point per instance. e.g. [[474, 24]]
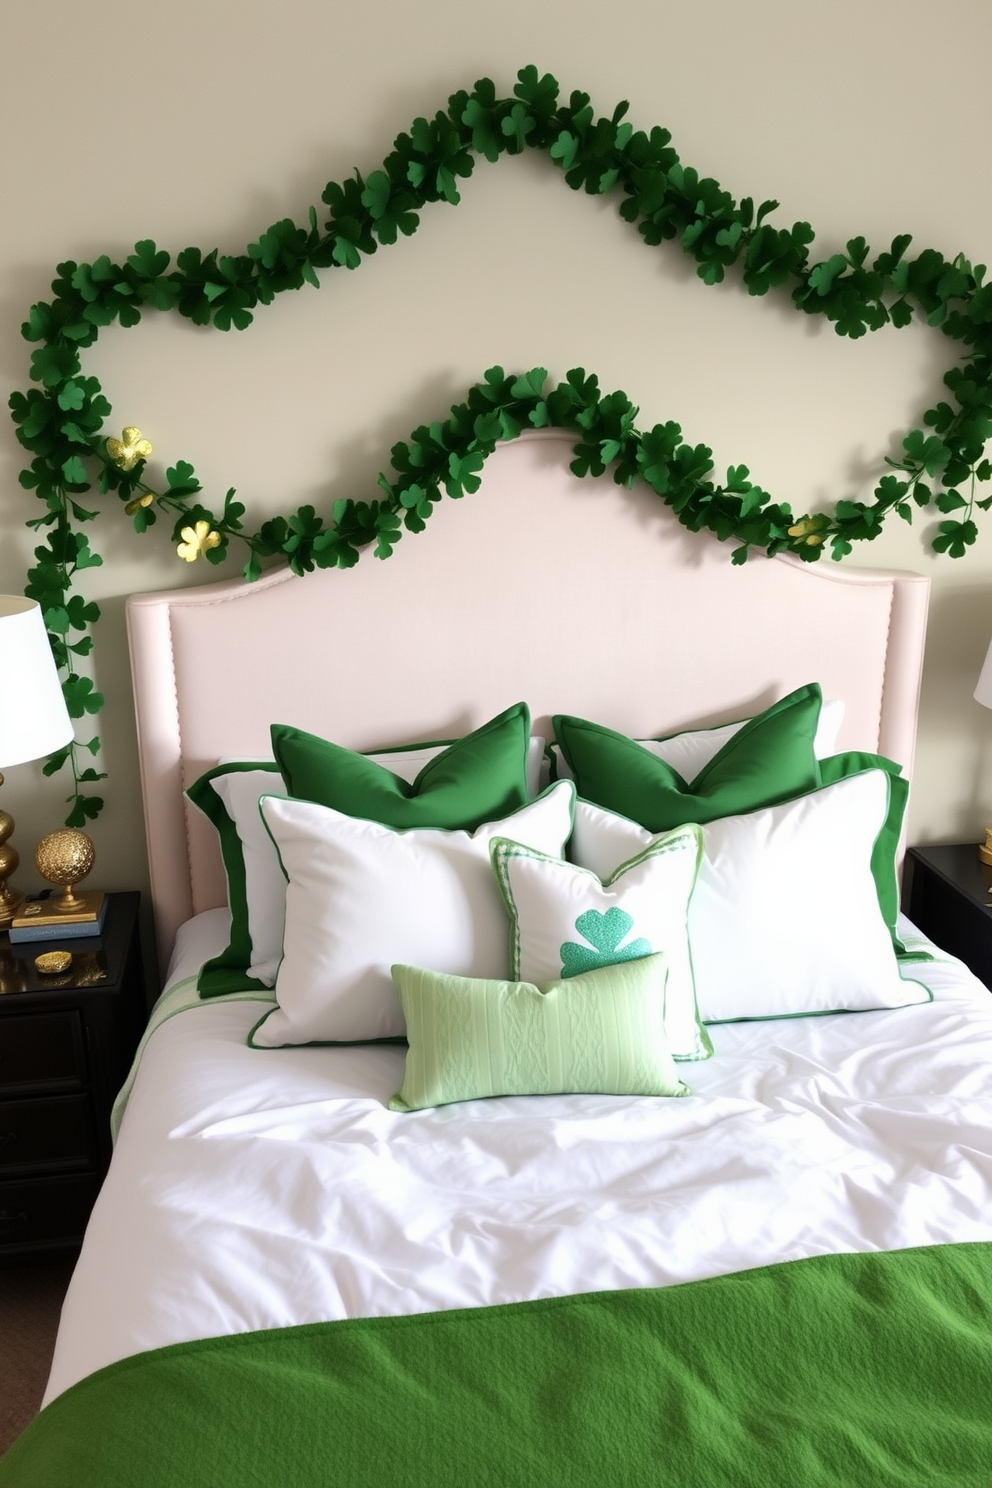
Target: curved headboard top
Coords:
[[575, 595]]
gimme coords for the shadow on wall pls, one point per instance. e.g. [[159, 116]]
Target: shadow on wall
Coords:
[[956, 726]]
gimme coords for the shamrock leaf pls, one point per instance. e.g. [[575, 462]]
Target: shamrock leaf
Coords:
[[195, 540], [517, 125], [463, 473], [85, 808], [390, 208], [932, 453], [147, 261], [955, 538], [604, 933], [480, 114], [540, 93], [182, 479], [80, 696], [128, 450]]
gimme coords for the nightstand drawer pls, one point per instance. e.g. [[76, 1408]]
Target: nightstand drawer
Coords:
[[45, 1210], [66, 1044], [42, 1049], [52, 1133]]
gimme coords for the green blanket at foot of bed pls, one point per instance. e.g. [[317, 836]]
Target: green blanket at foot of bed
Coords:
[[850, 1371]]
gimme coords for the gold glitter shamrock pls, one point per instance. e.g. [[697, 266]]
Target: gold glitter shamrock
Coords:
[[128, 450], [139, 502], [811, 529], [196, 540]]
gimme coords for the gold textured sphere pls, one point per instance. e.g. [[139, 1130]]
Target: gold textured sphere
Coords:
[[64, 857]]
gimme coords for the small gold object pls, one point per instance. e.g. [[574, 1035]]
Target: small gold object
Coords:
[[809, 530], [196, 540], [53, 963], [985, 851], [129, 449], [63, 857]]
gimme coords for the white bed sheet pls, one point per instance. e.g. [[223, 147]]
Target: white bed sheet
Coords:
[[260, 1188]]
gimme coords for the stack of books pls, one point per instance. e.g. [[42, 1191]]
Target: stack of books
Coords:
[[22, 930]]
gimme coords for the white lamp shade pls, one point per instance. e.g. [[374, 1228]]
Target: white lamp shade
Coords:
[[33, 716]]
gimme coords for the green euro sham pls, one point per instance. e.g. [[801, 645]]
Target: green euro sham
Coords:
[[480, 777], [771, 759]]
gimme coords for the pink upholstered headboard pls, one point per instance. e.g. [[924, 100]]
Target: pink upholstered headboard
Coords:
[[577, 596]]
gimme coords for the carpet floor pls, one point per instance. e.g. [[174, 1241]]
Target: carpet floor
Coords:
[[30, 1304]]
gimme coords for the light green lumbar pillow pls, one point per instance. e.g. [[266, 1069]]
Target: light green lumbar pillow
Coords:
[[601, 1032], [565, 919], [477, 779], [770, 759]]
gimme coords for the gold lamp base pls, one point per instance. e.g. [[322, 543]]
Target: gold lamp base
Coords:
[[985, 850], [11, 903], [10, 899]]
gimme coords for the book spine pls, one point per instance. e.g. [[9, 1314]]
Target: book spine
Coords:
[[56, 932]]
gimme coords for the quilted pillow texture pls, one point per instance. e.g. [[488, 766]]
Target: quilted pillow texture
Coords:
[[601, 1031]]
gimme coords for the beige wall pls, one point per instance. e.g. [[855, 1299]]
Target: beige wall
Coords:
[[205, 120]]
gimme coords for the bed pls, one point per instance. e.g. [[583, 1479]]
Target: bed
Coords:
[[775, 1274]]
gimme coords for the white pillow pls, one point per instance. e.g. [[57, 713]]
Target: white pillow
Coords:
[[785, 917], [264, 880], [691, 752], [362, 897], [566, 920]]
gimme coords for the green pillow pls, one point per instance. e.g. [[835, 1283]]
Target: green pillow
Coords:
[[479, 778], [771, 759], [601, 1032]]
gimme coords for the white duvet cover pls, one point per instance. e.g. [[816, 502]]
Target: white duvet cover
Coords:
[[259, 1188]]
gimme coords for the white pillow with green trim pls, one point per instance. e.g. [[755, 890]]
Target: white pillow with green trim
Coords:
[[602, 1032], [361, 897], [785, 918], [228, 796], [566, 920]]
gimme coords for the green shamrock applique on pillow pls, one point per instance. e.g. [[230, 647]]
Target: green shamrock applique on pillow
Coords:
[[604, 933]]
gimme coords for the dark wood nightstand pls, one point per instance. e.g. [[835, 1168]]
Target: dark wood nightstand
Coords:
[[946, 894], [66, 1044]]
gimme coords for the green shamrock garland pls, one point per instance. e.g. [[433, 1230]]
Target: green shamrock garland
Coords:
[[62, 419]]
